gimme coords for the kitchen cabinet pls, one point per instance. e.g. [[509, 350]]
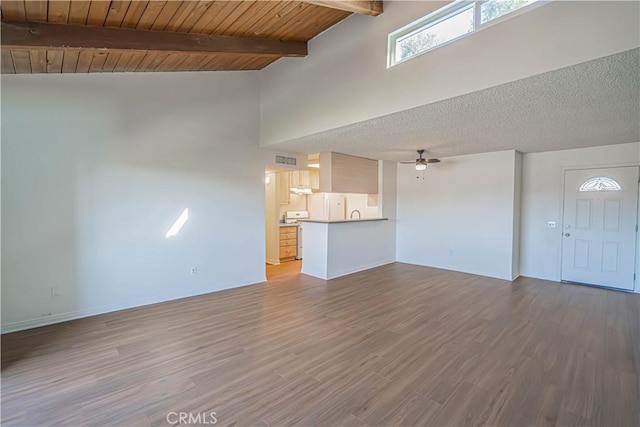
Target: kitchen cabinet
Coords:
[[314, 179], [341, 173], [299, 179], [288, 243], [284, 187]]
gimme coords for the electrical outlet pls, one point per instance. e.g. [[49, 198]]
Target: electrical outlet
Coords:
[[194, 271], [551, 224], [55, 291], [46, 314]]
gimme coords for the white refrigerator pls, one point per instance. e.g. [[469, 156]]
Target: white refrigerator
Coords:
[[326, 207]]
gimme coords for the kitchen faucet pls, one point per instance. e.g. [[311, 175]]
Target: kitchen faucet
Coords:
[[354, 211]]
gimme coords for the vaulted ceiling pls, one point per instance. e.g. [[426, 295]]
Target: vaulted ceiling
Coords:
[[113, 36]]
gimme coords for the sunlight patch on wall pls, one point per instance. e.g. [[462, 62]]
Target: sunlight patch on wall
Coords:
[[177, 226]]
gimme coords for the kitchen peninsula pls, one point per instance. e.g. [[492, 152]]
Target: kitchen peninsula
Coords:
[[337, 248]]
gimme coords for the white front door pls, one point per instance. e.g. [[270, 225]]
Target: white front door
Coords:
[[599, 226]]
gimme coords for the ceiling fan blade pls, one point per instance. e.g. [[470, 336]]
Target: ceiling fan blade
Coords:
[[408, 163], [433, 161]]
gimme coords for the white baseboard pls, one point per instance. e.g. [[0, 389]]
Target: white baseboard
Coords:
[[477, 273], [109, 308], [358, 268]]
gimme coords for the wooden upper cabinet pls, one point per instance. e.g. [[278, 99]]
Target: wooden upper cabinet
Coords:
[[314, 179], [283, 187], [341, 173], [300, 179]]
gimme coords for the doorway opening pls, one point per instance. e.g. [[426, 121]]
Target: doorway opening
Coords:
[[283, 209]]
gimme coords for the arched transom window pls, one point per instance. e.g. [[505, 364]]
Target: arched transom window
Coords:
[[600, 183]]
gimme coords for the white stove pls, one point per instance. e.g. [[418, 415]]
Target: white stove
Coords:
[[294, 217]]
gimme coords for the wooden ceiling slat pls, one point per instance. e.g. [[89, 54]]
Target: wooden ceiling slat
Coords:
[[123, 62], [36, 10], [70, 61], [259, 28], [78, 11], [135, 60], [54, 61], [150, 14], [274, 19], [218, 11], [84, 61], [237, 13], [260, 63], [112, 61], [134, 13], [170, 62], [201, 21], [21, 61], [117, 12], [13, 10], [220, 62], [200, 9], [38, 61], [314, 27], [7, 62], [167, 13], [278, 19], [97, 62], [299, 13], [58, 11], [98, 12], [151, 61], [186, 8], [247, 20], [200, 62], [306, 26], [306, 21], [196, 62]]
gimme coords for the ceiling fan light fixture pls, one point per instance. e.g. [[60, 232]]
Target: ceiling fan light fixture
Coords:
[[421, 165]]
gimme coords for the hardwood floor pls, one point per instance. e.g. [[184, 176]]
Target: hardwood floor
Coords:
[[396, 345], [283, 270]]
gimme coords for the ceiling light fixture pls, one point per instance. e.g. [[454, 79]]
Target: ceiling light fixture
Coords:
[[314, 165], [421, 165]]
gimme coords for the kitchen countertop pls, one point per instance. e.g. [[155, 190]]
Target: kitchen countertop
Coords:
[[344, 220]]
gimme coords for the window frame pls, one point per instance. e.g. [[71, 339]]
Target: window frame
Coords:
[[442, 14]]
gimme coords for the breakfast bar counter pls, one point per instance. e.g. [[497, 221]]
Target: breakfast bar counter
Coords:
[[336, 248]]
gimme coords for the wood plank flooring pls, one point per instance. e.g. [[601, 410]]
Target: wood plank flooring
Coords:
[[395, 345]]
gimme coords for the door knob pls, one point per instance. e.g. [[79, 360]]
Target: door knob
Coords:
[[567, 234]]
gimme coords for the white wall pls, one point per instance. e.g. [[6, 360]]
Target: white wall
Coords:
[[517, 205], [297, 202], [359, 202], [461, 215], [272, 216], [344, 79], [542, 200], [96, 168]]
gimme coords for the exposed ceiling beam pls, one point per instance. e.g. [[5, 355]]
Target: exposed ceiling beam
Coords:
[[373, 8], [36, 35]]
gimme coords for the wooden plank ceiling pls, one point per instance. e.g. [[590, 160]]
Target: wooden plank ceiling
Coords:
[[96, 36]]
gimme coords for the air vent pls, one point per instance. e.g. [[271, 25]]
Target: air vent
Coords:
[[284, 160]]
